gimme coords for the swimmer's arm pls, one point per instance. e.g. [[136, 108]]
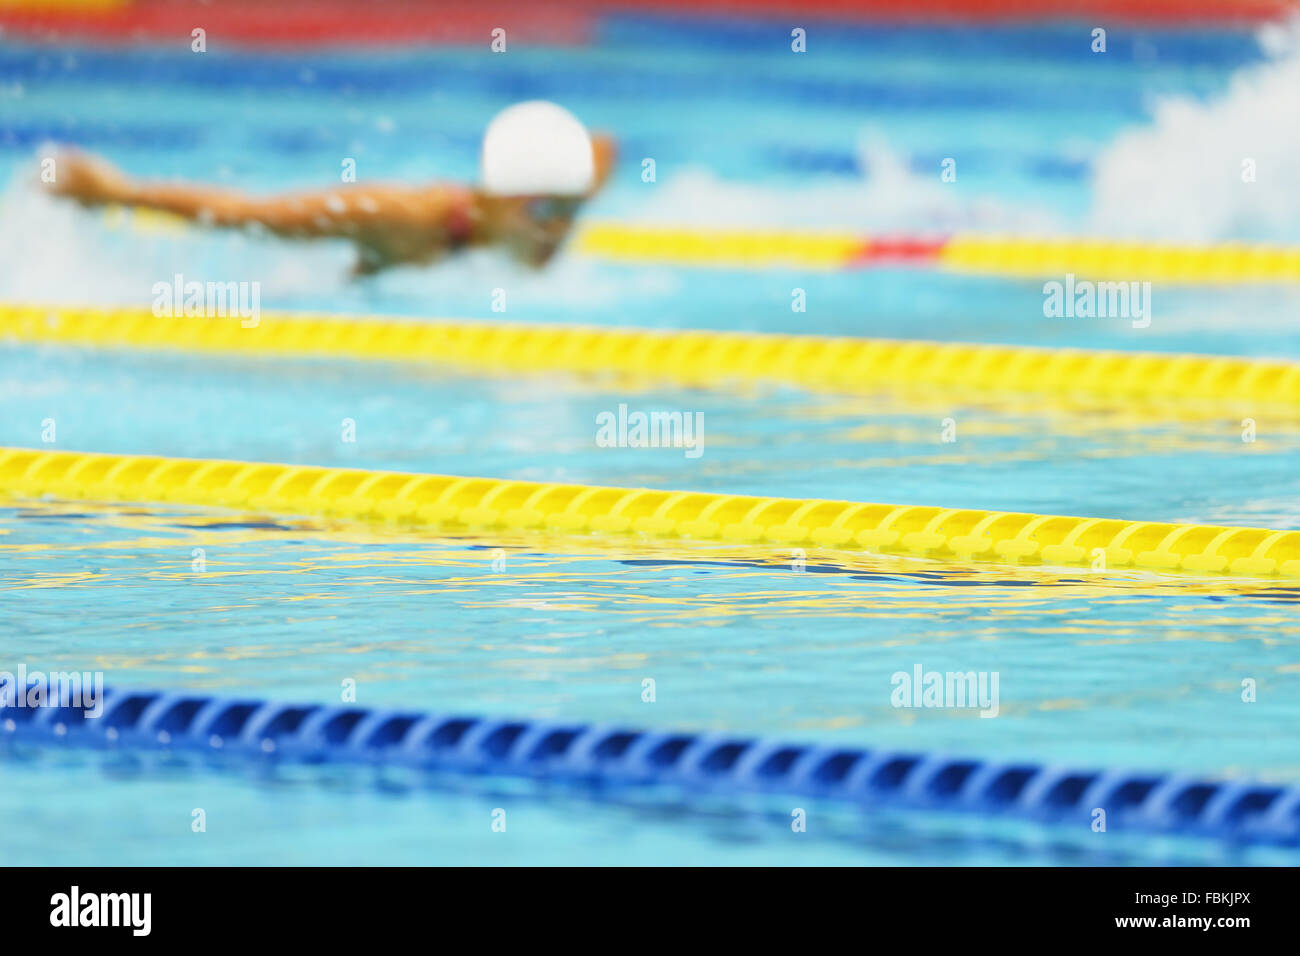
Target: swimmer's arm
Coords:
[[350, 211], [347, 211]]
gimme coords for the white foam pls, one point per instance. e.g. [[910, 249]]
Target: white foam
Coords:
[[1181, 176], [50, 255], [55, 251]]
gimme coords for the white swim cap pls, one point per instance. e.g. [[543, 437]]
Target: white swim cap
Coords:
[[537, 148]]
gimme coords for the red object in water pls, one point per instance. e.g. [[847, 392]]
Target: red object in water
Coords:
[[902, 251]]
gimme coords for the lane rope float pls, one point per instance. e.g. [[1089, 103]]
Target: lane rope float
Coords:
[[446, 502], [714, 763], [1009, 256], [1013, 257], [697, 358]]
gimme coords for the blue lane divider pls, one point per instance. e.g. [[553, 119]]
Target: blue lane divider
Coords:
[[1221, 45], [844, 162], [162, 136], [544, 74], [717, 763]]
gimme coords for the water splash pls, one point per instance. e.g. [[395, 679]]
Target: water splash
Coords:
[[1181, 177]]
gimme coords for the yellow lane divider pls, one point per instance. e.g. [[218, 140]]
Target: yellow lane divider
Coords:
[[1118, 260], [855, 366], [734, 248], [1023, 257], [445, 502]]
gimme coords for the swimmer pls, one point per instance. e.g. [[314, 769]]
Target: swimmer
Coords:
[[539, 167]]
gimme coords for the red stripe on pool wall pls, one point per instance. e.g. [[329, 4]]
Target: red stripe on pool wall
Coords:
[[304, 23], [948, 11]]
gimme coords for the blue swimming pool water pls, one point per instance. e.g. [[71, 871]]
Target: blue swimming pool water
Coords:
[[1119, 669], [741, 131]]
